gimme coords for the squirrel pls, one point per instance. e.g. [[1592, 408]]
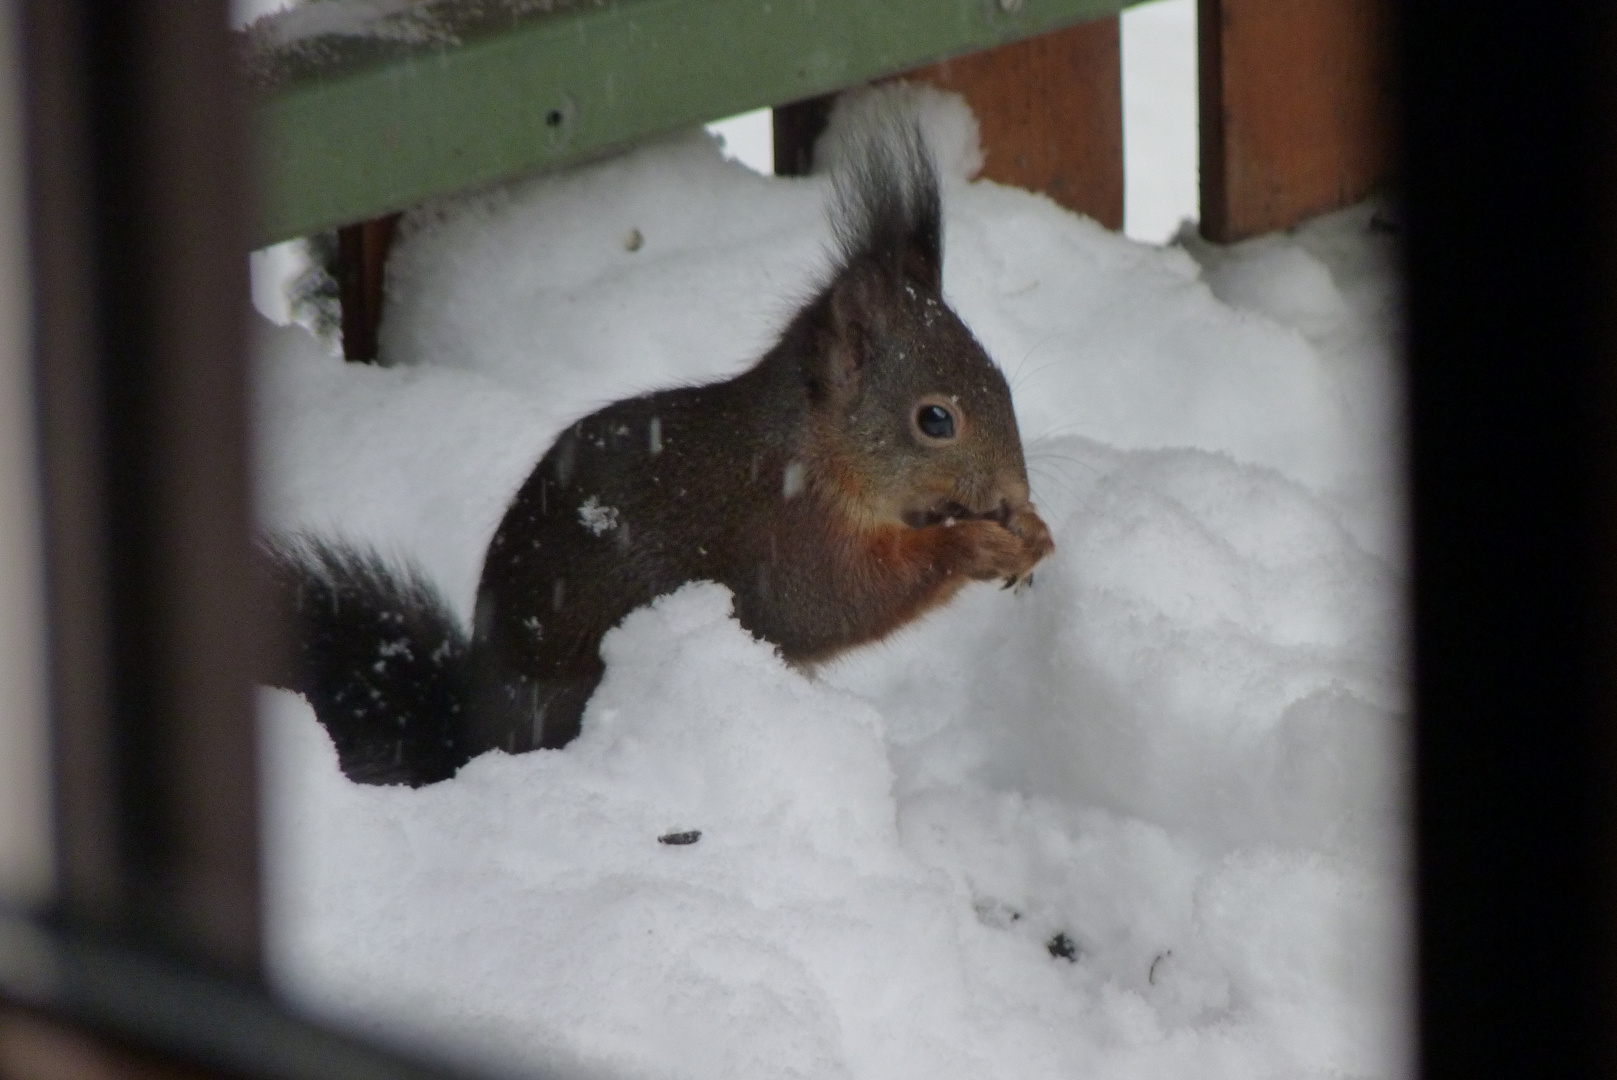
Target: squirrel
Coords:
[[857, 476]]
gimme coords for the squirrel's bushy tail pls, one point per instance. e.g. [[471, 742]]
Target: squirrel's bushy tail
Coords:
[[380, 657]]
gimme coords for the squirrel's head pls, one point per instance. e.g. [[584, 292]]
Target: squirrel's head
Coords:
[[906, 406]]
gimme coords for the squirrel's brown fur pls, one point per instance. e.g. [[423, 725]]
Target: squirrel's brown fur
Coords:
[[857, 476]]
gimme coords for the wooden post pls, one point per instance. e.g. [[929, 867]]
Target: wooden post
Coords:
[[796, 127], [1296, 110], [361, 259], [136, 181], [1050, 110]]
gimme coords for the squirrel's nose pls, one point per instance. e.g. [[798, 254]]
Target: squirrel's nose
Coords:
[[1011, 486]]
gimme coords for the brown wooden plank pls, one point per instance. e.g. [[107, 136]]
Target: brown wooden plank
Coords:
[[1296, 110], [796, 126], [1051, 113]]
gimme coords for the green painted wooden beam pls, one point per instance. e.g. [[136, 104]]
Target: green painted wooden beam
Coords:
[[361, 114]]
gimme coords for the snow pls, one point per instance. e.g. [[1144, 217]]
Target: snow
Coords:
[[243, 13], [279, 23], [749, 138], [596, 518], [1178, 756], [1160, 150]]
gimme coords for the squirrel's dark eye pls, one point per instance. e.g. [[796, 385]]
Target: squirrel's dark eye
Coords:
[[935, 422]]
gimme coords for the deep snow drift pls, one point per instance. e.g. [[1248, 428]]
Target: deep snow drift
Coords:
[[1176, 759]]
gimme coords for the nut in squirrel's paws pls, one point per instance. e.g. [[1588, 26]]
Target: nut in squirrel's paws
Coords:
[[1009, 551]]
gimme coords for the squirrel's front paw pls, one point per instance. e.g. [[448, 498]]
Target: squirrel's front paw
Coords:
[[987, 549], [990, 550], [1030, 528]]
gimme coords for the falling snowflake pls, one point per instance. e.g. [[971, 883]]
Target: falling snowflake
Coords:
[[597, 519]]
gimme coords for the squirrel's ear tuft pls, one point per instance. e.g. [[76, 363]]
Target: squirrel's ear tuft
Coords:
[[888, 210]]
